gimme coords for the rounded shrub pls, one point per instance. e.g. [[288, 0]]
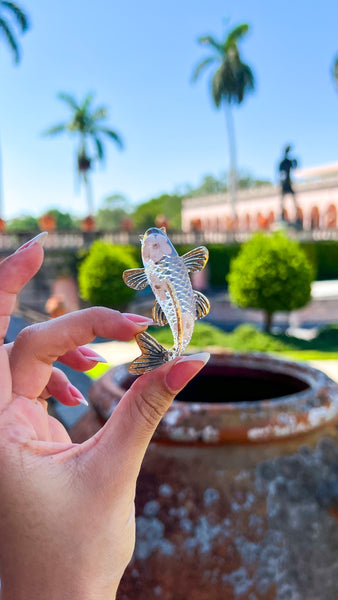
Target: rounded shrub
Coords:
[[271, 273], [100, 275]]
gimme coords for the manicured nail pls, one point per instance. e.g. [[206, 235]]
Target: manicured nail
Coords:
[[138, 319], [91, 354], [76, 394], [184, 369], [38, 239]]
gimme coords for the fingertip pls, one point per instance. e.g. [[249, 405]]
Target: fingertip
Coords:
[[138, 319], [39, 240], [76, 395], [184, 369]]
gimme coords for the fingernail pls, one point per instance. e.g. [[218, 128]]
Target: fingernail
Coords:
[[184, 369], [138, 319], [76, 394], [38, 239], [91, 354]]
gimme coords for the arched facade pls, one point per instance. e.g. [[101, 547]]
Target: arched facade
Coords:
[[260, 208]]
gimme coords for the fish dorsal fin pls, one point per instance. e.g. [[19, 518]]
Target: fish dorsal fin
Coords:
[[202, 305], [196, 259], [135, 279], [158, 315], [153, 355]]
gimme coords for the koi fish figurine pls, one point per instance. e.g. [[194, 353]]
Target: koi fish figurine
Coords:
[[176, 302]]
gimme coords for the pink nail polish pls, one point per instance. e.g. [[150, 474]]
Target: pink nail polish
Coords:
[[184, 369], [91, 354], [76, 394], [38, 239], [138, 319]]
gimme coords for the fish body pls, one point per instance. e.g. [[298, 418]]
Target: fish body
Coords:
[[176, 302]]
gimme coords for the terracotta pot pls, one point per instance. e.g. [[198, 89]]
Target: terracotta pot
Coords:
[[88, 224], [47, 222], [238, 493]]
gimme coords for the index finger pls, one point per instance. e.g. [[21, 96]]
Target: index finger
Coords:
[[15, 271], [38, 346]]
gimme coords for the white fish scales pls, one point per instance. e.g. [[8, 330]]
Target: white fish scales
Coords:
[[176, 302]]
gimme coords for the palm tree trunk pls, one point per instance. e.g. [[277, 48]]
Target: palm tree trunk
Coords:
[[233, 159], [1, 187], [89, 194]]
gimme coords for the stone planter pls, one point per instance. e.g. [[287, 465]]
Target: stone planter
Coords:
[[238, 493]]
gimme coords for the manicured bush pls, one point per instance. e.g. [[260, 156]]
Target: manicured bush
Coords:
[[271, 273], [100, 275]]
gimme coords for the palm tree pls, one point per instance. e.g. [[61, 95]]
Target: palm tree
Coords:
[[12, 15], [88, 125], [335, 71], [231, 81]]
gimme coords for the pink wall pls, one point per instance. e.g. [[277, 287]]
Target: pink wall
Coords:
[[260, 208]]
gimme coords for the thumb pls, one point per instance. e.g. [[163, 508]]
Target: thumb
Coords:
[[126, 435]]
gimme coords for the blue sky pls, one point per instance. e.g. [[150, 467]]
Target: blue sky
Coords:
[[138, 57]]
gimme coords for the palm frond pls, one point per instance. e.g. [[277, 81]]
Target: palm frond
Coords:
[[209, 40], [113, 136], [99, 113], [56, 129], [20, 16], [217, 86], [10, 39], [335, 71], [236, 34], [245, 82], [68, 99], [87, 101], [201, 66], [99, 148]]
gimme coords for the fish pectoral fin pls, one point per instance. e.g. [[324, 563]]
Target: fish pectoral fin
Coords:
[[158, 315], [153, 355], [135, 278], [196, 259], [202, 305]]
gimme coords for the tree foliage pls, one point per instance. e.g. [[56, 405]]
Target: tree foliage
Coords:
[[113, 210], [271, 273], [63, 220], [168, 205], [100, 275], [22, 223]]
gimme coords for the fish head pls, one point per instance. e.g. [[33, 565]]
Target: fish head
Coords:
[[156, 245]]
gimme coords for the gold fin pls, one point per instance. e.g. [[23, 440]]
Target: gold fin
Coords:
[[196, 259], [202, 305], [158, 314], [135, 278], [153, 355]]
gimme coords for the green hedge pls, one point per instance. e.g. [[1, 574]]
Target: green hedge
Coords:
[[322, 255]]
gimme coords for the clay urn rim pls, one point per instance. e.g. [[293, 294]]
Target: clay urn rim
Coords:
[[248, 421]]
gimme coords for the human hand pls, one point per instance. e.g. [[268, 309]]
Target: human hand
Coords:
[[67, 510]]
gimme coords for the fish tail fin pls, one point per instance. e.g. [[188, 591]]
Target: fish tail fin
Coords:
[[153, 355]]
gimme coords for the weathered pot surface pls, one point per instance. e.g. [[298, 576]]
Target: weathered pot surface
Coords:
[[238, 495]]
